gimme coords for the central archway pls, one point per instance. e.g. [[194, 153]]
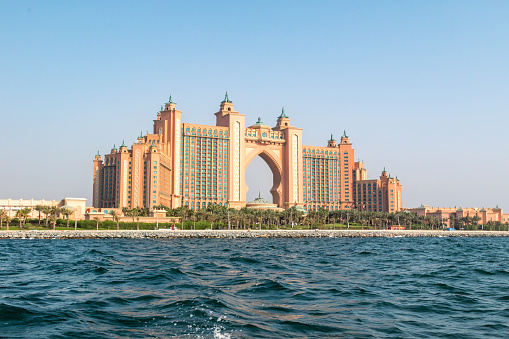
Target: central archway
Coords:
[[272, 161]]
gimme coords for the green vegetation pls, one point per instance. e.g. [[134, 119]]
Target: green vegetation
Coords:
[[221, 217]]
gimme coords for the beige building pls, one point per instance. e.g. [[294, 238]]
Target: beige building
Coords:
[[77, 205], [196, 165], [484, 215]]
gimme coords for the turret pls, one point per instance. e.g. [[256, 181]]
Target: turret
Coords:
[[283, 121], [123, 147], [331, 142], [225, 110], [344, 138]]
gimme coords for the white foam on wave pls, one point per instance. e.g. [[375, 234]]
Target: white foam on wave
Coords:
[[219, 335]]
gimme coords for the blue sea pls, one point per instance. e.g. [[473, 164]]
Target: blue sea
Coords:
[[255, 288]]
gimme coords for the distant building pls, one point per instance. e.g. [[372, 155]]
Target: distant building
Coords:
[[379, 195], [77, 205], [447, 213], [197, 165]]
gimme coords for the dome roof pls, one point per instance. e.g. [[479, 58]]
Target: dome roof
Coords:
[[259, 200], [300, 209]]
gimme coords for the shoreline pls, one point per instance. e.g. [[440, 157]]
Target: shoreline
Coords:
[[234, 234]]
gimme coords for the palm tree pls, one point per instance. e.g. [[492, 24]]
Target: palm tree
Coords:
[[135, 214], [18, 216], [116, 217], [3, 214], [22, 215], [193, 218], [234, 216], [7, 221], [54, 213], [475, 220], [46, 210], [67, 212], [211, 216], [243, 216], [97, 222], [182, 212], [39, 208]]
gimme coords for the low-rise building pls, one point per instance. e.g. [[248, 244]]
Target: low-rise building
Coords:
[[446, 214], [77, 205]]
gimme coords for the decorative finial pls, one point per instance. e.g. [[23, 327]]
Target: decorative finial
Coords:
[[259, 194], [283, 115], [98, 155], [123, 144], [170, 101], [331, 137], [161, 108], [384, 169], [141, 134], [226, 99], [259, 122], [114, 148], [344, 134]]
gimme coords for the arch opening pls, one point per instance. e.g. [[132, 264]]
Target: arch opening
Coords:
[[258, 178]]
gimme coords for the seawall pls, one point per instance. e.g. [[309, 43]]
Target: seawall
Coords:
[[232, 234]]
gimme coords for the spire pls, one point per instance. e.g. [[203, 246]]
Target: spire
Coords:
[[344, 134], [123, 144], [170, 101], [226, 99], [259, 194], [283, 115], [331, 138], [141, 134], [97, 155], [384, 169], [161, 108], [114, 148]]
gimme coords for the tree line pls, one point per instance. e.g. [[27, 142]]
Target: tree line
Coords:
[[217, 216], [50, 215]]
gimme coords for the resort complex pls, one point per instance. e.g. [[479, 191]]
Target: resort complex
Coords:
[[471, 215], [194, 165]]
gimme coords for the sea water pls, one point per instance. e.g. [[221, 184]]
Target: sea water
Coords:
[[255, 288]]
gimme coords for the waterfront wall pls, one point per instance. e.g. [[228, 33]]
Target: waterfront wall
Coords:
[[232, 234]]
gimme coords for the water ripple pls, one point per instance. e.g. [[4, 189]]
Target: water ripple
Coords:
[[255, 288]]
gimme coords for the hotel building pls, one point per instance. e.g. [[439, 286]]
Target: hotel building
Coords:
[[196, 165]]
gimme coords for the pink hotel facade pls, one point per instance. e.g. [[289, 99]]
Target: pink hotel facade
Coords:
[[196, 165]]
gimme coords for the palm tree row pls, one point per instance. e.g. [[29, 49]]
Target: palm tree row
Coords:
[[50, 213]]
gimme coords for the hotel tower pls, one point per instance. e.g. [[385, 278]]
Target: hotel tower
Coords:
[[195, 165]]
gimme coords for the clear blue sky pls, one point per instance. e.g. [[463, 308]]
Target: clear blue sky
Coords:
[[421, 87]]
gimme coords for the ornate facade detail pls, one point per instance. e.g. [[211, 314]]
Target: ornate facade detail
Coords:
[[124, 186], [236, 161], [136, 180], [96, 188], [177, 156], [295, 166]]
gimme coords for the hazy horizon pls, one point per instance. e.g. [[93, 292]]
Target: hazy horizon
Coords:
[[421, 88]]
